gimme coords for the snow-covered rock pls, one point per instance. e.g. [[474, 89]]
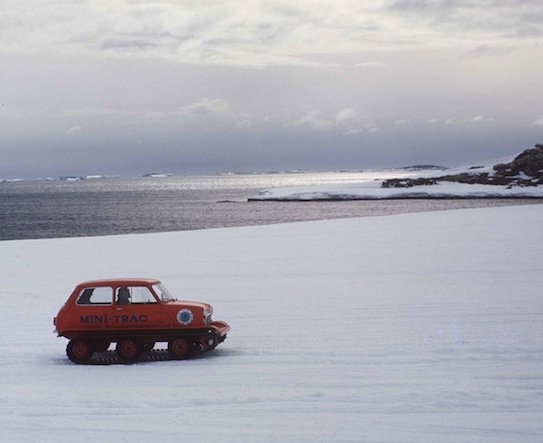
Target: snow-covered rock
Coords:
[[519, 176], [526, 169]]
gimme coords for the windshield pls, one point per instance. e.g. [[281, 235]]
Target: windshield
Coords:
[[162, 292]]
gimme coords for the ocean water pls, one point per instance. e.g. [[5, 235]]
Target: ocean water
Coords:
[[107, 206]]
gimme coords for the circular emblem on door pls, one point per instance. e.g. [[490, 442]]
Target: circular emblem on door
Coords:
[[184, 317]]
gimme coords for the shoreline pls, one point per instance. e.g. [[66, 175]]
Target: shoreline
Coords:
[[406, 197], [380, 209]]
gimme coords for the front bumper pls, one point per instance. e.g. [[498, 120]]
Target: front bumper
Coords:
[[220, 328]]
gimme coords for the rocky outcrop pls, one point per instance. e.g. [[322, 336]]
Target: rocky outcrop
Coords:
[[526, 169], [408, 182]]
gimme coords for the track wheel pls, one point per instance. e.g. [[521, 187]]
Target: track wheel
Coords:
[[179, 348], [129, 349], [79, 350], [208, 342]]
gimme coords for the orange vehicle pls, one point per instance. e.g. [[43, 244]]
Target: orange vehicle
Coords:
[[134, 314]]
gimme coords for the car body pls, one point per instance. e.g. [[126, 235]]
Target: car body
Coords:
[[134, 313]]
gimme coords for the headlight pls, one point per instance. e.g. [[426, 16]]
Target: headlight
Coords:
[[207, 314]]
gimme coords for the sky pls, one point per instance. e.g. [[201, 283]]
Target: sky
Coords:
[[136, 86]]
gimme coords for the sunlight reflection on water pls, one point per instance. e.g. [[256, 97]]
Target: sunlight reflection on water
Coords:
[[103, 206]]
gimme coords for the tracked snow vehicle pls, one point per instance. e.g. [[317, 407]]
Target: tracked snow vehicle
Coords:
[[134, 314]]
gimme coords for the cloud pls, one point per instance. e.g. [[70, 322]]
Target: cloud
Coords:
[[261, 33], [355, 131], [497, 49], [369, 65], [347, 115], [314, 119], [441, 121], [483, 27], [347, 121], [213, 111], [206, 107], [409, 5], [481, 119], [538, 122], [74, 129]]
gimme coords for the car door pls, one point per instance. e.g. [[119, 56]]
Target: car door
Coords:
[[136, 307]]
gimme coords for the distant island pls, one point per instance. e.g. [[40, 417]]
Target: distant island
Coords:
[[424, 168], [75, 178], [157, 174]]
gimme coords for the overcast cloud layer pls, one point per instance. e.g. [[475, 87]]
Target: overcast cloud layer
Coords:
[[208, 86]]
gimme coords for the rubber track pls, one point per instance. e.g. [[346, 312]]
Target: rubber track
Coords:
[[111, 357]]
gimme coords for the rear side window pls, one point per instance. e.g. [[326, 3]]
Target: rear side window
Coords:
[[95, 296]]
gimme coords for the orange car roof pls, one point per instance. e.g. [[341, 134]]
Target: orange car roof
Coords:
[[120, 282]]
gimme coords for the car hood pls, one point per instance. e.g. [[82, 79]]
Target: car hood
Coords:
[[188, 304]]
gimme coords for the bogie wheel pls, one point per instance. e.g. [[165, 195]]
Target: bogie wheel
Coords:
[[129, 349], [79, 350], [208, 342], [179, 348]]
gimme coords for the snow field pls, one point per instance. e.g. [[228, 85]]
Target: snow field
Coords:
[[418, 327]]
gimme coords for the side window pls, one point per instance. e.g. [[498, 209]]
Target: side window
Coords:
[[142, 294], [95, 296]]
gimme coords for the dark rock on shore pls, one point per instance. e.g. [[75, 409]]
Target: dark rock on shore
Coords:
[[408, 182], [526, 169]]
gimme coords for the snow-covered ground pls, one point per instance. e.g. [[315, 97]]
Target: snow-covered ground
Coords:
[[371, 188], [405, 328]]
